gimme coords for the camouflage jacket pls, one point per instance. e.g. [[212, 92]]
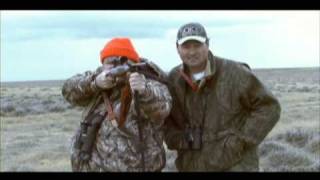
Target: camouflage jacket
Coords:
[[235, 111], [118, 149]]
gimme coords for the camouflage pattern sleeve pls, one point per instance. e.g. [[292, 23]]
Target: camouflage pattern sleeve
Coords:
[[156, 102], [80, 88]]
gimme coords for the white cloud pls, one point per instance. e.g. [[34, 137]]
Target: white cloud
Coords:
[[260, 38]]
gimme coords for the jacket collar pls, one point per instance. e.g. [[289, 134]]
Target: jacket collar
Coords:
[[210, 71]]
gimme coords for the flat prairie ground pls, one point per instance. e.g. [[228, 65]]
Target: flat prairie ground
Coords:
[[37, 124]]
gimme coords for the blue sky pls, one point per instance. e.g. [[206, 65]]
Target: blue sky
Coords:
[[49, 45]]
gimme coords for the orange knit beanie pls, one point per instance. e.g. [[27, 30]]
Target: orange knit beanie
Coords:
[[119, 47]]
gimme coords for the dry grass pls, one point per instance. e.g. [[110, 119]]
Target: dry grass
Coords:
[[37, 124], [20, 101], [37, 142]]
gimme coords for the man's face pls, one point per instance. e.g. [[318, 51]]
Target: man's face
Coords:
[[193, 53]]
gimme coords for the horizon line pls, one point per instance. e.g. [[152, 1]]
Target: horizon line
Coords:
[[276, 68]]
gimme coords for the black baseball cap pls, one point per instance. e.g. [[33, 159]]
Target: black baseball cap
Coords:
[[191, 31]]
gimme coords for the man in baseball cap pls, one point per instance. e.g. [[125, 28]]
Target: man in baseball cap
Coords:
[[221, 111]]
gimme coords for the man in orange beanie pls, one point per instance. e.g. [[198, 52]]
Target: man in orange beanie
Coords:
[[120, 129]]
